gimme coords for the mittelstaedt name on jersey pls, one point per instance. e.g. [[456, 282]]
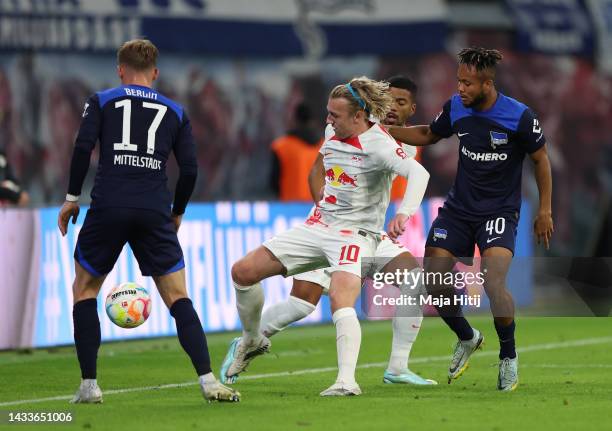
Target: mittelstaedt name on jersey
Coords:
[[483, 157], [138, 161]]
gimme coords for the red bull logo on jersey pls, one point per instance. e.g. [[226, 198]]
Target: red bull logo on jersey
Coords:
[[345, 179], [337, 177], [331, 199]]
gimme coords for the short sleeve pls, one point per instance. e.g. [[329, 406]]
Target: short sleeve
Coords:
[[530, 134], [441, 125]]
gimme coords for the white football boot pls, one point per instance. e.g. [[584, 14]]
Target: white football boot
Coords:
[[215, 391], [89, 392], [341, 389], [461, 355], [508, 374], [239, 355], [407, 377]]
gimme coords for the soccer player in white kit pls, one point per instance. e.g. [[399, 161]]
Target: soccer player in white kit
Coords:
[[360, 160], [390, 256]]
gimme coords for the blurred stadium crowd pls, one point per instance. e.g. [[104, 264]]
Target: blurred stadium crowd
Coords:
[[238, 106]]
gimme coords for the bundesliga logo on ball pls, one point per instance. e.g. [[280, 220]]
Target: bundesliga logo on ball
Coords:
[[128, 305]]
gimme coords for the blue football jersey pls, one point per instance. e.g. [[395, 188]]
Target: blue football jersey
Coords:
[[137, 129], [492, 146]]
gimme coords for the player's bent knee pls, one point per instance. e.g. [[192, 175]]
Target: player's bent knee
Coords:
[[238, 270], [495, 285], [243, 273], [86, 285], [341, 298], [498, 293], [171, 287], [171, 294], [404, 261], [81, 294], [306, 291]]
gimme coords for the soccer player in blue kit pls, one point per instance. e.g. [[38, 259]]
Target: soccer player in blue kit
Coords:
[[137, 128], [495, 133]]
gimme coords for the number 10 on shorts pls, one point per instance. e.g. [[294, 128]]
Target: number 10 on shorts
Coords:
[[349, 254]]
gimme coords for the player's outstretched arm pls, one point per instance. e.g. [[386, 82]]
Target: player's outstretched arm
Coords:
[[417, 136], [316, 179], [543, 227]]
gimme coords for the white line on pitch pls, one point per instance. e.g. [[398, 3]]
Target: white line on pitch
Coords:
[[564, 366], [533, 348]]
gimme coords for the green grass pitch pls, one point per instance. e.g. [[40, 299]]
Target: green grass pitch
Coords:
[[565, 383]]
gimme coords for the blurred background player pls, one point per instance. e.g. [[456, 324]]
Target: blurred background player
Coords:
[[11, 192], [293, 156], [404, 91], [360, 160], [495, 133], [137, 128], [309, 286]]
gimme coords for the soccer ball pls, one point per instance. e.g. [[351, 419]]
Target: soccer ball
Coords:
[[128, 305]]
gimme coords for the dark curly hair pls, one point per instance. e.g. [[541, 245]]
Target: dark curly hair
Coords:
[[482, 59]]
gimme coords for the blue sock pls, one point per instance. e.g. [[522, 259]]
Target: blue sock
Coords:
[[460, 326], [453, 317], [191, 335], [86, 335], [506, 340]]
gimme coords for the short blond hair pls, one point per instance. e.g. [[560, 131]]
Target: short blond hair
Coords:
[[374, 97], [138, 54]]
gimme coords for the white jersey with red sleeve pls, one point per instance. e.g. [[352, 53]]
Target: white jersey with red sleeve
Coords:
[[358, 175]]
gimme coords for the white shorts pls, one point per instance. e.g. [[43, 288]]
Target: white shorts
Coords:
[[307, 247], [385, 252]]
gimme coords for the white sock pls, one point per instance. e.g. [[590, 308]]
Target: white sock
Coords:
[[249, 301], [348, 341], [405, 331], [279, 316], [208, 378], [406, 325]]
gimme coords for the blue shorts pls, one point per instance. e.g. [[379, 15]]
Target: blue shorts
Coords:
[[458, 235], [150, 234]]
